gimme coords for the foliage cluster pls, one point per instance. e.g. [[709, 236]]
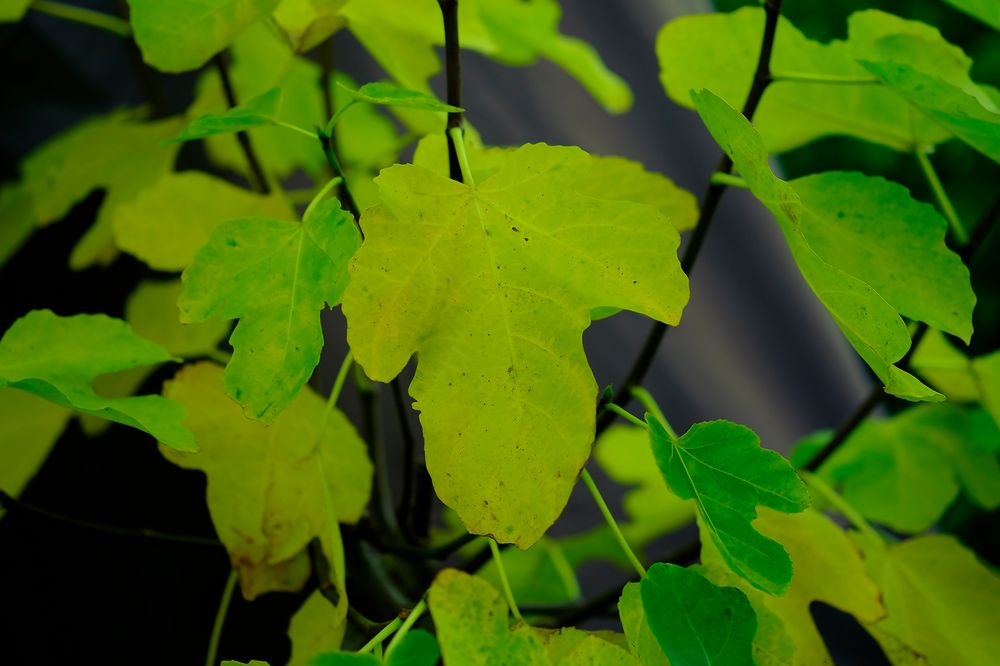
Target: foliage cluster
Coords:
[[486, 264]]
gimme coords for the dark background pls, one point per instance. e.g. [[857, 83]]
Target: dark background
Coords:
[[755, 346]]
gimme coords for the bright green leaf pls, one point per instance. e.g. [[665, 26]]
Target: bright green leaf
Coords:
[[723, 468], [272, 489], [417, 648], [258, 112], [339, 659], [28, 430], [828, 568], [871, 324], [116, 152], [719, 52], [905, 472], [472, 624], [940, 602], [58, 358], [184, 34], [13, 10], [498, 281], [914, 61], [317, 627], [275, 277], [641, 640], [387, 94], [696, 622], [987, 11], [167, 223]]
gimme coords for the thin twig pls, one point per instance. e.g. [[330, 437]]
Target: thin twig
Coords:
[[13, 504], [256, 172], [453, 73], [710, 204], [220, 618]]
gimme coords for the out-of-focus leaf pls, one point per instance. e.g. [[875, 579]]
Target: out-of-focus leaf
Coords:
[[538, 576], [28, 430], [58, 358], [13, 10], [317, 627], [987, 11]]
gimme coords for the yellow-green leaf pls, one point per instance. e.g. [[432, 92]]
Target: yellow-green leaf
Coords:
[[260, 111], [167, 223], [828, 568], [569, 646], [641, 640], [719, 52], [316, 627], [940, 602], [28, 431], [961, 378], [309, 22], [472, 624], [387, 94], [871, 324], [275, 277], [13, 10], [271, 490], [58, 358], [184, 34], [492, 286], [987, 11]]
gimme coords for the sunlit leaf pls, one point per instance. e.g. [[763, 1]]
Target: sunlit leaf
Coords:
[[387, 94], [914, 61], [905, 472], [471, 620], [272, 489], [493, 286], [871, 324], [721, 466], [184, 34], [309, 22], [695, 621], [257, 112], [719, 52], [317, 626], [275, 277], [167, 223], [940, 602], [58, 358], [116, 152], [828, 568]]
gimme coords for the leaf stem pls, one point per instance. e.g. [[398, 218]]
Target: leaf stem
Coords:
[[944, 203], [332, 123], [326, 142], [294, 128], [710, 203], [628, 416], [410, 620], [646, 400], [606, 512], [220, 618], [319, 195], [111, 24], [377, 639], [13, 504], [453, 74], [503, 580], [257, 177], [829, 79], [338, 386], [458, 140], [839, 503], [719, 178]]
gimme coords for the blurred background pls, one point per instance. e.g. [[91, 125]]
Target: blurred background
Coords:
[[755, 346]]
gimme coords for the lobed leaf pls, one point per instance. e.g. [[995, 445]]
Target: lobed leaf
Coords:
[[184, 34], [271, 490], [275, 277], [492, 286], [828, 568], [58, 358], [842, 253], [696, 622], [260, 111], [905, 472], [718, 52], [721, 466], [167, 223], [940, 602]]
